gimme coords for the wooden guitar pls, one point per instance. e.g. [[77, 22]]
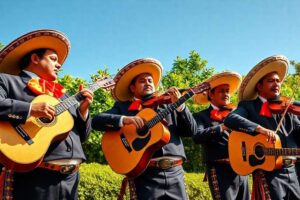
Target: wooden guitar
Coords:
[[248, 153], [129, 150], [23, 146]]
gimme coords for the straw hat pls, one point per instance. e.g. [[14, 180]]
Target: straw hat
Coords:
[[276, 63], [231, 78], [124, 77], [11, 54]]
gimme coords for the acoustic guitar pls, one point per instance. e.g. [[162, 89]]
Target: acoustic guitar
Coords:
[[129, 150], [23, 146], [248, 153]]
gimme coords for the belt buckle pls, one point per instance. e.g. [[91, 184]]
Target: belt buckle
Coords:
[[67, 169], [165, 163], [287, 162]]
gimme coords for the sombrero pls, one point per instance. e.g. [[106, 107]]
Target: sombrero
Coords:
[[276, 63], [11, 54], [124, 77], [231, 78]]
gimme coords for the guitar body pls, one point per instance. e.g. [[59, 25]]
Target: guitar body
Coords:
[[17, 154], [127, 152], [246, 153]]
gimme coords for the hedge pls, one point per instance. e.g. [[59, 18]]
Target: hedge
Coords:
[[100, 182]]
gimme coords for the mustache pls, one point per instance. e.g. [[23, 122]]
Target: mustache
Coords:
[[275, 88], [226, 97], [148, 86]]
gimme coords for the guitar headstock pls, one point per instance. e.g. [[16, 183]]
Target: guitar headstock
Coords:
[[105, 82], [200, 88]]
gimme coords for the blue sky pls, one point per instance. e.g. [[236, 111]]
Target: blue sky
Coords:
[[229, 34]]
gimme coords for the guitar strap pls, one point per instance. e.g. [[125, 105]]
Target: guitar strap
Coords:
[[132, 189], [260, 190], [2, 179], [212, 178], [6, 180]]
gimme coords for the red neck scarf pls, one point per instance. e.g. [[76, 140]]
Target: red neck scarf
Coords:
[[219, 115], [41, 86], [265, 110], [136, 105]]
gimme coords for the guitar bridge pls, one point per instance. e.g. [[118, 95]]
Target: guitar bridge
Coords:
[[125, 142], [23, 134], [244, 152]]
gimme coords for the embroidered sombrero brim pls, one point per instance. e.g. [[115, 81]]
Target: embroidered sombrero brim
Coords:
[[12, 53], [231, 78], [124, 77], [276, 63]]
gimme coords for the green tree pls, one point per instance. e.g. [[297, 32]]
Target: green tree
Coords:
[[1, 45], [296, 66], [290, 86], [186, 73]]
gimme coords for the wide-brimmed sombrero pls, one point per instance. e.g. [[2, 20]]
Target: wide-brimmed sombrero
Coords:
[[231, 78], [121, 91], [12, 53], [276, 63]]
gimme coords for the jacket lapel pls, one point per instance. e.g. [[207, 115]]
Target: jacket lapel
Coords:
[[24, 76]]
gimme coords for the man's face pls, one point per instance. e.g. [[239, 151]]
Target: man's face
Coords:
[[220, 95], [269, 86], [48, 66], [142, 86]]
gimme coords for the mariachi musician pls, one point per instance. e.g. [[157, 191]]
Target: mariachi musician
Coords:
[[224, 183], [29, 67], [135, 85], [253, 116]]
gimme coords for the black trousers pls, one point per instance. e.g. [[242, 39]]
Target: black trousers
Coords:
[[225, 184], [157, 183], [283, 183], [42, 184]]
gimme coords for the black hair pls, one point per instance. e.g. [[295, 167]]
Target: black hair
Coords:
[[133, 80], [25, 60], [211, 91], [259, 82]]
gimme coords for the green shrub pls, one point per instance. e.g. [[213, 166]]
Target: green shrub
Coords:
[[100, 182], [197, 189]]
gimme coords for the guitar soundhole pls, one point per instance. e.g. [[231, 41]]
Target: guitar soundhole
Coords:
[[259, 151], [139, 143], [143, 131], [44, 121]]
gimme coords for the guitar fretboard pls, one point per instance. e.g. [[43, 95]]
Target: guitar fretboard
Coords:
[[282, 152], [74, 100]]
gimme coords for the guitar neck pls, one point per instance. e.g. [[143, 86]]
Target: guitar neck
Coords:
[[170, 108], [74, 100], [282, 151]]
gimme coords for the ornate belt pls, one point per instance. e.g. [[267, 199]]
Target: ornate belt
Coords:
[[63, 169], [288, 162], [165, 163]]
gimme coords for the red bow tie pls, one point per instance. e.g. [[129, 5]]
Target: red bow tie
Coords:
[[42, 86], [136, 105], [218, 115], [265, 110]]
